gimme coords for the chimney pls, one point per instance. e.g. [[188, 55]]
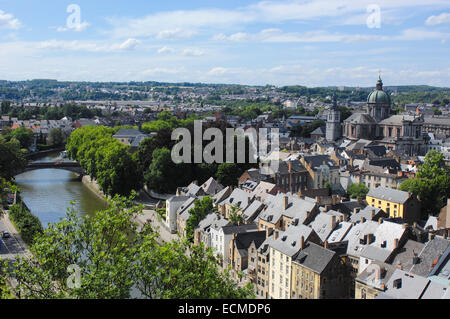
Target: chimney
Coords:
[[327, 208], [430, 236], [372, 214], [333, 222], [325, 245], [377, 273], [302, 242], [415, 224], [195, 183], [380, 220], [317, 199], [275, 234], [395, 243], [285, 202]]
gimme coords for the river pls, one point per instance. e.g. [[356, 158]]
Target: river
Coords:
[[48, 193]]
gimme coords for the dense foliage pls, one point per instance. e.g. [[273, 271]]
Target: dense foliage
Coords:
[[28, 224], [44, 112], [12, 158], [202, 207], [431, 184], [356, 190], [105, 159], [112, 258], [164, 176]]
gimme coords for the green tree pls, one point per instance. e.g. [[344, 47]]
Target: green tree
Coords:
[[234, 217], [431, 184], [56, 136], [23, 135], [113, 257], [356, 190], [5, 107], [228, 174], [11, 158], [200, 210]]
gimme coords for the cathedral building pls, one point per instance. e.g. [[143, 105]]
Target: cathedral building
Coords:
[[395, 132]]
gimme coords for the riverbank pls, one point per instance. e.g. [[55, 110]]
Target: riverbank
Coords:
[[37, 155], [92, 185]]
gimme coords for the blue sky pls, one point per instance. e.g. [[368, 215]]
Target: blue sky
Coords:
[[283, 42]]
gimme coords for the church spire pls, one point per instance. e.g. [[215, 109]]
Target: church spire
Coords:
[[379, 82]]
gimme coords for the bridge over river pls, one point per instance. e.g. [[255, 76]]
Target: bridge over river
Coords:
[[68, 166]]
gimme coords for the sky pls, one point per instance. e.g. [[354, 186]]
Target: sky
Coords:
[[283, 42]]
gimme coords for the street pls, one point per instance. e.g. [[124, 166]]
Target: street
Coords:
[[14, 245]]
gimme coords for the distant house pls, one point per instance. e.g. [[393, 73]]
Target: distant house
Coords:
[[131, 137], [318, 133]]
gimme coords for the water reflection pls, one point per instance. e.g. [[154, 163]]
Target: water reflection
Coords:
[[48, 193]]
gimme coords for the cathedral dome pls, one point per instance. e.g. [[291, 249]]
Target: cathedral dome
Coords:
[[378, 96]]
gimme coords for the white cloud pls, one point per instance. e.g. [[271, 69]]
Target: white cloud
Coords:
[[88, 46], [185, 23], [165, 50], [218, 71], [175, 34], [440, 19], [192, 52], [7, 21], [129, 44]]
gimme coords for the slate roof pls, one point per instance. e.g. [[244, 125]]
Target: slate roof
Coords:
[[314, 257], [244, 240], [263, 189], [338, 234], [239, 197], [413, 286], [211, 186], [442, 269], [405, 254], [318, 160], [319, 131], [398, 119], [250, 212], [378, 150], [288, 241], [366, 213], [127, 133], [389, 194], [356, 233], [323, 226], [348, 206], [368, 275], [183, 211], [360, 118], [221, 196], [235, 229], [432, 251], [297, 208]]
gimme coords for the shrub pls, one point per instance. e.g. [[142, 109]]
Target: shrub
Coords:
[[28, 224]]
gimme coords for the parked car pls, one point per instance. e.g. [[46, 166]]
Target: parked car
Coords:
[[6, 234]]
